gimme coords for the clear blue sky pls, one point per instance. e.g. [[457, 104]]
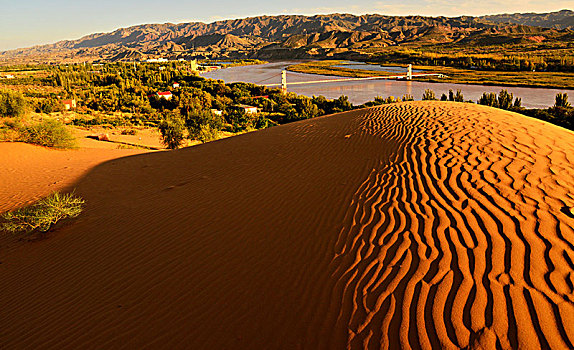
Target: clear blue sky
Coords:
[[24, 23]]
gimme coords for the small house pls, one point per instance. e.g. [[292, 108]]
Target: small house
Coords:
[[175, 85], [217, 112], [165, 94], [247, 109], [69, 104]]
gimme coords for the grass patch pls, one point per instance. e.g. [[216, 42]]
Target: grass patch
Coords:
[[43, 214]]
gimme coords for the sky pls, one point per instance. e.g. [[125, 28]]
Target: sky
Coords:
[[24, 23]]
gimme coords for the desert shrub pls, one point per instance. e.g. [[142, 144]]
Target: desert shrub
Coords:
[[428, 95], [172, 130], [407, 97], [43, 214], [49, 133]]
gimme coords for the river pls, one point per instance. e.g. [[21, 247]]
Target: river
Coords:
[[362, 91]]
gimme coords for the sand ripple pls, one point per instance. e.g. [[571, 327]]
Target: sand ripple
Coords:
[[460, 241]]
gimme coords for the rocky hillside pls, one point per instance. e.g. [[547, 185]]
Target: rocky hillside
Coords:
[[559, 20], [286, 36]]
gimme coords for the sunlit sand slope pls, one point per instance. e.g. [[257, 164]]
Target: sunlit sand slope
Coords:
[[420, 225]]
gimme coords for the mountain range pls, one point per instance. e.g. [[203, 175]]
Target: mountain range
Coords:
[[297, 36]]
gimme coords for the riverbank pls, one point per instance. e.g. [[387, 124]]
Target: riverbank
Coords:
[[554, 80]]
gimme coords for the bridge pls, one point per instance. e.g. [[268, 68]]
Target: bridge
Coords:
[[408, 76]]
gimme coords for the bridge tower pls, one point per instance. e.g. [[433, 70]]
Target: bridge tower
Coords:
[[284, 81], [410, 72]]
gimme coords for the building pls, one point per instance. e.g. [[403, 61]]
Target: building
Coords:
[[156, 60], [217, 112], [165, 94], [193, 66], [208, 68], [7, 76], [175, 85], [247, 109], [69, 104]]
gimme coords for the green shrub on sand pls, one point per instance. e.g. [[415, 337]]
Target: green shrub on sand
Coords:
[[49, 133], [43, 214]]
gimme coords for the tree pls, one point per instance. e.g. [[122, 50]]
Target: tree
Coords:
[[505, 100], [305, 108], [203, 125], [172, 129], [12, 104], [458, 97], [428, 95], [488, 99], [342, 104], [562, 100]]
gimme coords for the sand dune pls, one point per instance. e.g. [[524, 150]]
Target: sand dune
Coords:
[[412, 225], [28, 173]]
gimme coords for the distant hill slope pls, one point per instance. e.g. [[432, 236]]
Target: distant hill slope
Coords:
[[285, 36], [560, 20]]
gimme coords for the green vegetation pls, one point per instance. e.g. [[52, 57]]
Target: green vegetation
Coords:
[[562, 101], [172, 131], [558, 57], [128, 92], [125, 95], [453, 97], [43, 214], [12, 104], [428, 95], [561, 113], [46, 132], [504, 100]]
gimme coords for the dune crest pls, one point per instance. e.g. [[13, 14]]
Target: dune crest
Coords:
[[421, 224]]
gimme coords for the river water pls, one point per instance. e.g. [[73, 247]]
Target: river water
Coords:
[[362, 91]]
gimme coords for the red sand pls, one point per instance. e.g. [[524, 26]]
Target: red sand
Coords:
[[28, 172], [418, 224]]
